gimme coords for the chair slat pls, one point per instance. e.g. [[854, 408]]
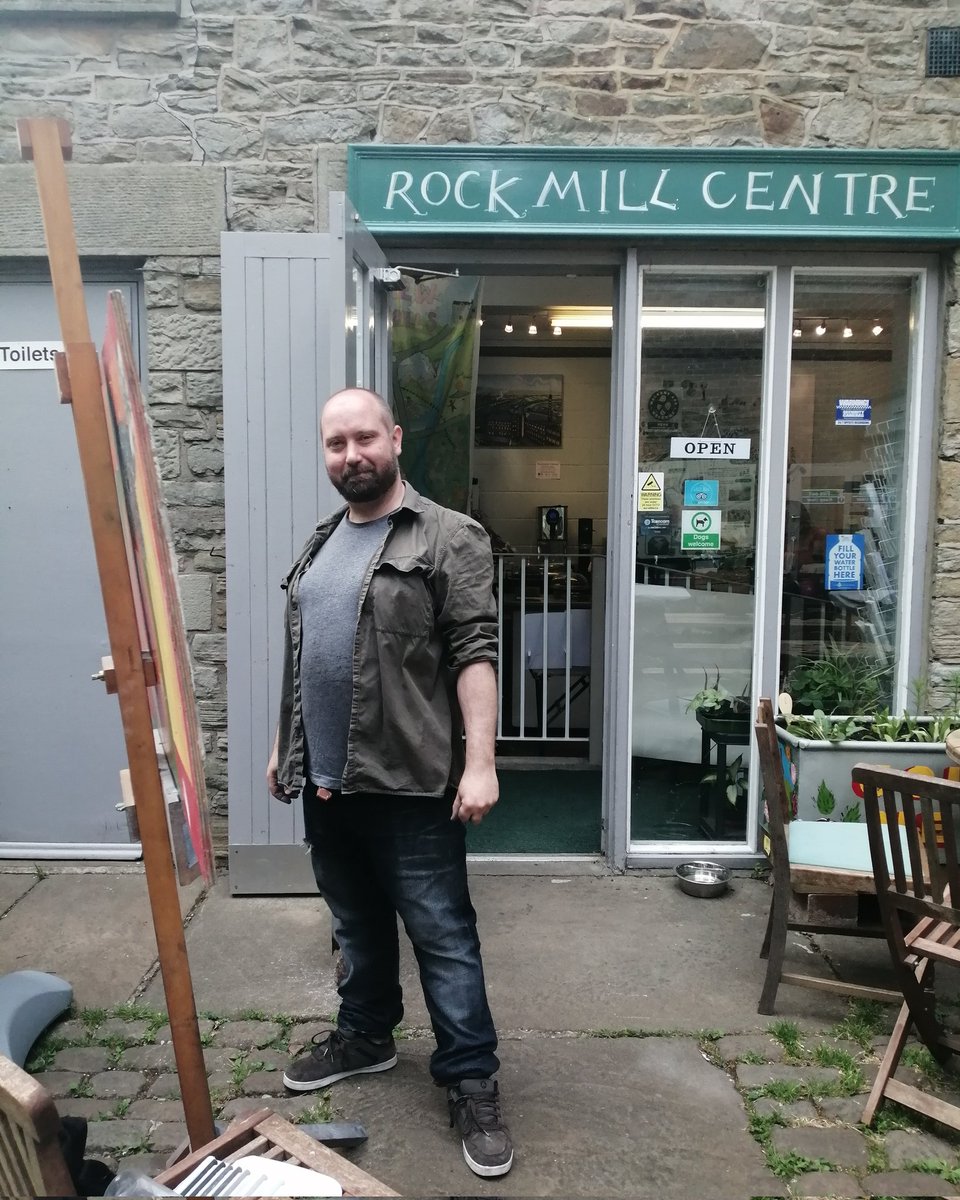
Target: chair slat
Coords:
[[794, 881], [925, 896]]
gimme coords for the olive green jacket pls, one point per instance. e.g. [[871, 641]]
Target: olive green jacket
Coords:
[[426, 611]]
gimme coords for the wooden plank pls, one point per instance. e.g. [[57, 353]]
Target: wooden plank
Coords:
[[857, 991], [116, 585], [235, 1137], [930, 1106], [830, 880], [313, 1154]]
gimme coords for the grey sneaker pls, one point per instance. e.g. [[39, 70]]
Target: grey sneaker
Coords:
[[337, 1055], [475, 1110]]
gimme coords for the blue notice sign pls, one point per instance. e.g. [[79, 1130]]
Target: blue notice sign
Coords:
[[844, 565], [853, 410], [701, 493]]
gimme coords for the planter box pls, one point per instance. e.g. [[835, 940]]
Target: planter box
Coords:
[[807, 763], [736, 728]]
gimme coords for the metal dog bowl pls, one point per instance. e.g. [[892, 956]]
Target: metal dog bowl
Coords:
[[704, 879]]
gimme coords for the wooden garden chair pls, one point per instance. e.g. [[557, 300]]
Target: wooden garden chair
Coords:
[[917, 876], [809, 859], [32, 1164]]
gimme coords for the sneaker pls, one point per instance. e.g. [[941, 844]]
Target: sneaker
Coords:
[[337, 1055], [475, 1110]]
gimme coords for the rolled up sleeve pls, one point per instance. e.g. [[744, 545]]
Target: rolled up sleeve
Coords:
[[467, 615]]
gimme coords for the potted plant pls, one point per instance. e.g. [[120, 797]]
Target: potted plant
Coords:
[[720, 712], [819, 749]]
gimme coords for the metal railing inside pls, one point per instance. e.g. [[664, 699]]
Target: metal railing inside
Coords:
[[548, 606]]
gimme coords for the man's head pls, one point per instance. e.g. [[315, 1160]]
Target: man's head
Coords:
[[361, 443]]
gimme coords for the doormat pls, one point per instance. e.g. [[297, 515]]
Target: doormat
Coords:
[[541, 812]]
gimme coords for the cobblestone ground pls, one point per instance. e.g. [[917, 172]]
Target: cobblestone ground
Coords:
[[803, 1093]]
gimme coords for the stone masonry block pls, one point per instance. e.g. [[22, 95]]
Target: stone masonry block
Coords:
[[162, 291], [184, 341], [261, 43], [202, 294], [842, 1147], [948, 483], [205, 459], [117, 1084], [196, 596], [715, 46]]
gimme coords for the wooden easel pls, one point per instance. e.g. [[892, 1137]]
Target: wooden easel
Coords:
[[47, 142]]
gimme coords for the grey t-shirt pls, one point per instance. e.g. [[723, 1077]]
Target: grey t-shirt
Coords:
[[329, 597]]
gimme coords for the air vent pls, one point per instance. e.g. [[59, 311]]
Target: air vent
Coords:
[[943, 51]]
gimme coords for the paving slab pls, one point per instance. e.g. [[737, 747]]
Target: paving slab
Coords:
[[560, 953], [93, 930], [841, 1147], [589, 1117], [13, 888], [255, 953]]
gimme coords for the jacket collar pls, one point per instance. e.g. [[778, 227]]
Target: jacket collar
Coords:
[[412, 502]]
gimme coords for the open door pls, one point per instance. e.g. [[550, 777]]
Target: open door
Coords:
[[287, 300]]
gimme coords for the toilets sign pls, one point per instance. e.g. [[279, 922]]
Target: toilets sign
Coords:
[[635, 190], [28, 356]]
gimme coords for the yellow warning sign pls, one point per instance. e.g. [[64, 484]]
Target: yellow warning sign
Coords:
[[650, 491]]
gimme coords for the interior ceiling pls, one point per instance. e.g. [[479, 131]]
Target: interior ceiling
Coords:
[[527, 300]]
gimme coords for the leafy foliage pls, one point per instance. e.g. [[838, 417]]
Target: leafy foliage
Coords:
[[838, 682]]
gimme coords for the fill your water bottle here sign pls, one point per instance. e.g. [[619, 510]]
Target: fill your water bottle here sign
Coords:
[[844, 562]]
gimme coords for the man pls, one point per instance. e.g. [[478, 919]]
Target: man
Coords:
[[391, 637]]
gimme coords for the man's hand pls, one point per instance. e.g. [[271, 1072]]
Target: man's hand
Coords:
[[274, 786], [477, 794], [478, 791]]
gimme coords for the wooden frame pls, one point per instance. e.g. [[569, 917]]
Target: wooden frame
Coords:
[[915, 885], [270, 1136], [47, 142], [794, 883]]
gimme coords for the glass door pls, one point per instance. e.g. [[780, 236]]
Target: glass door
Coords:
[[701, 381]]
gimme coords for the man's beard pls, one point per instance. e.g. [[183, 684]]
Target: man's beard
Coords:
[[366, 484]]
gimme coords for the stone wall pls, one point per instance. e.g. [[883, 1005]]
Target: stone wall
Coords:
[[266, 93]]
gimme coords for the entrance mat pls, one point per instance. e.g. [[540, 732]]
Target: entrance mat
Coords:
[[541, 812]]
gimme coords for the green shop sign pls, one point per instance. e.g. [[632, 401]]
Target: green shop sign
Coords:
[[911, 194]]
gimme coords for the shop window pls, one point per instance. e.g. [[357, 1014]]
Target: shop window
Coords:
[[843, 531]]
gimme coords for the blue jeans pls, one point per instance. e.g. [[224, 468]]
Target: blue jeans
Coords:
[[376, 856]]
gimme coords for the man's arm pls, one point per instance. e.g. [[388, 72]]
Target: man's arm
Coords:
[[479, 790], [274, 787]]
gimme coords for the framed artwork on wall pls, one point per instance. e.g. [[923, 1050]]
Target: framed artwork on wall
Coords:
[[519, 410]]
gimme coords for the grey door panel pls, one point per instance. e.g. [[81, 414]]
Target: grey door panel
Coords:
[[61, 739]]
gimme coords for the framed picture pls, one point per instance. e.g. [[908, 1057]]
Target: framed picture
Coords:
[[519, 410]]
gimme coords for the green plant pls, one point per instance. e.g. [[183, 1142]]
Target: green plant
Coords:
[[838, 682], [92, 1017], [735, 781], [82, 1088], [820, 727], [318, 1113], [789, 1165], [718, 701], [788, 1035], [242, 1066], [862, 1024]]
